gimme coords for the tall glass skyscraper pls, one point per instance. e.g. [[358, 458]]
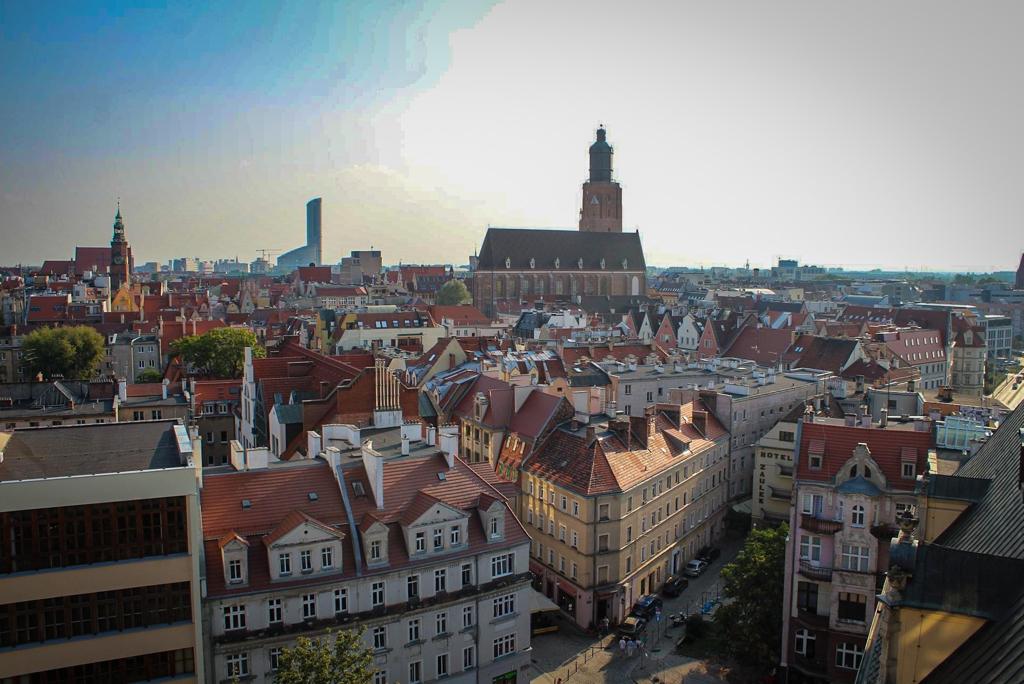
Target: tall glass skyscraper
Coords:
[[312, 251]]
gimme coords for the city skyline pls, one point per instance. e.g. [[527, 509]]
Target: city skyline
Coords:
[[786, 129]]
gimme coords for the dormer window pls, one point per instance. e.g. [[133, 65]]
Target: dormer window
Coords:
[[421, 542], [456, 535], [234, 571], [508, 262], [495, 532], [375, 550], [438, 538], [306, 560], [284, 563]]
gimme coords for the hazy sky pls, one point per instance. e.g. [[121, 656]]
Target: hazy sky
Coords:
[[861, 133]]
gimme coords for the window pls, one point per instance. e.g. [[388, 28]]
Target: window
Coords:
[[327, 557], [467, 616], [909, 470], [848, 655], [813, 504], [414, 630], [551, 556], [468, 657], [504, 645], [502, 565], [902, 508], [627, 390], [274, 611], [855, 557], [576, 508], [455, 537], [284, 563], [561, 533], [853, 607], [810, 548], [564, 502], [573, 571], [629, 504], [603, 512], [421, 542], [575, 539], [341, 601], [380, 638], [238, 664], [412, 585], [804, 643], [629, 564], [415, 672], [551, 527], [234, 570], [504, 605], [440, 580], [234, 617], [375, 549], [815, 462], [442, 665], [467, 574], [807, 597], [441, 623], [495, 531], [629, 533], [857, 516], [308, 606], [274, 655], [438, 538], [306, 561], [377, 594]]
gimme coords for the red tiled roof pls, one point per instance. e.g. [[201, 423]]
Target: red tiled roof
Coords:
[[313, 274], [764, 346], [293, 520], [823, 353], [887, 447], [95, 259], [500, 402], [230, 537], [461, 314], [215, 390], [572, 355], [535, 414]]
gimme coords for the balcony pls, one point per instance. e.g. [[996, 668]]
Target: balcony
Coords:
[[813, 523], [818, 573], [885, 531], [779, 494]]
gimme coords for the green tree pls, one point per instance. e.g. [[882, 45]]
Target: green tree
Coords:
[[219, 353], [73, 353], [751, 622], [335, 658], [149, 375], [453, 292]]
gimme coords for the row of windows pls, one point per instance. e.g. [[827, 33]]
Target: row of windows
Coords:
[[76, 535], [234, 615], [284, 563], [848, 655], [166, 664], [64, 617]]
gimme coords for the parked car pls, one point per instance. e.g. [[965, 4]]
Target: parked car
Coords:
[[709, 554], [675, 585], [646, 606], [632, 627], [695, 568]]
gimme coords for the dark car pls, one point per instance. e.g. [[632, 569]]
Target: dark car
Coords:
[[646, 606], [709, 553], [675, 585], [632, 627]]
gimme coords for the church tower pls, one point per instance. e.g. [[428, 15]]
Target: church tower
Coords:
[[602, 196], [121, 262]]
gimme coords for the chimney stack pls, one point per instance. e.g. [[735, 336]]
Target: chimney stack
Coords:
[[622, 427], [651, 422], [591, 435], [700, 421], [884, 419], [163, 388]]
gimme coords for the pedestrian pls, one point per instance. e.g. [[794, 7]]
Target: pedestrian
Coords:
[[622, 646], [630, 647], [604, 626]]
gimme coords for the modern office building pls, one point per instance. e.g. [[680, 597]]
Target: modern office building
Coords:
[[312, 251], [99, 574]]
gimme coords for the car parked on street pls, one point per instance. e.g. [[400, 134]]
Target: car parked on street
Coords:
[[632, 627], [674, 585], [709, 554], [695, 568], [646, 606]]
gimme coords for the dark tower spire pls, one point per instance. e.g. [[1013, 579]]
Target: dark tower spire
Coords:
[[601, 159]]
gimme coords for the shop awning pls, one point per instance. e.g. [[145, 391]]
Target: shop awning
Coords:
[[743, 506], [539, 603]]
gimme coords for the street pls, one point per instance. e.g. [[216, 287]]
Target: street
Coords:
[[572, 655], [1007, 395]]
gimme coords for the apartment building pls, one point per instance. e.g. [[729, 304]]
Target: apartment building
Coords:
[[952, 601], [99, 578], [615, 506], [747, 400], [130, 354], [381, 531], [214, 405], [772, 486], [852, 479]]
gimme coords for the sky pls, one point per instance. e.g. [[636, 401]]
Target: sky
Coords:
[[862, 134]]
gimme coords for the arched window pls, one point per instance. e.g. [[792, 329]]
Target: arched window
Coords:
[[867, 472], [857, 516], [853, 470], [635, 286]]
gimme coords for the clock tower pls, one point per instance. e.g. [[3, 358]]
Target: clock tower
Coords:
[[121, 262], [602, 196]]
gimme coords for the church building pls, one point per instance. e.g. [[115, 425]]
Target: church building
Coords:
[[518, 267]]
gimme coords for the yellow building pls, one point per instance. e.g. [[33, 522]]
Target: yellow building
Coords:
[[772, 487], [952, 608], [615, 506], [99, 577]]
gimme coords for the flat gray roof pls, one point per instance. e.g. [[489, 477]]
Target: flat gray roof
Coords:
[[34, 453]]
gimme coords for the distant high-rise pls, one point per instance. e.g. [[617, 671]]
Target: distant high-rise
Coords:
[[312, 251], [1019, 281], [602, 197]]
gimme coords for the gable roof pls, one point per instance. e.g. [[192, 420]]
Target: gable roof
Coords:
[[520, 245], [293, 520]]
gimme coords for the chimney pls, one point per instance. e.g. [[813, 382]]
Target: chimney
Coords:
[[651, 421], [163, 387], [884, 419], [591, 435], [865, 420], [122, 390], [373, 463], [405, 445], [850, 420], [622, 427], [911, 385], [860, 384], [450, 443]]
